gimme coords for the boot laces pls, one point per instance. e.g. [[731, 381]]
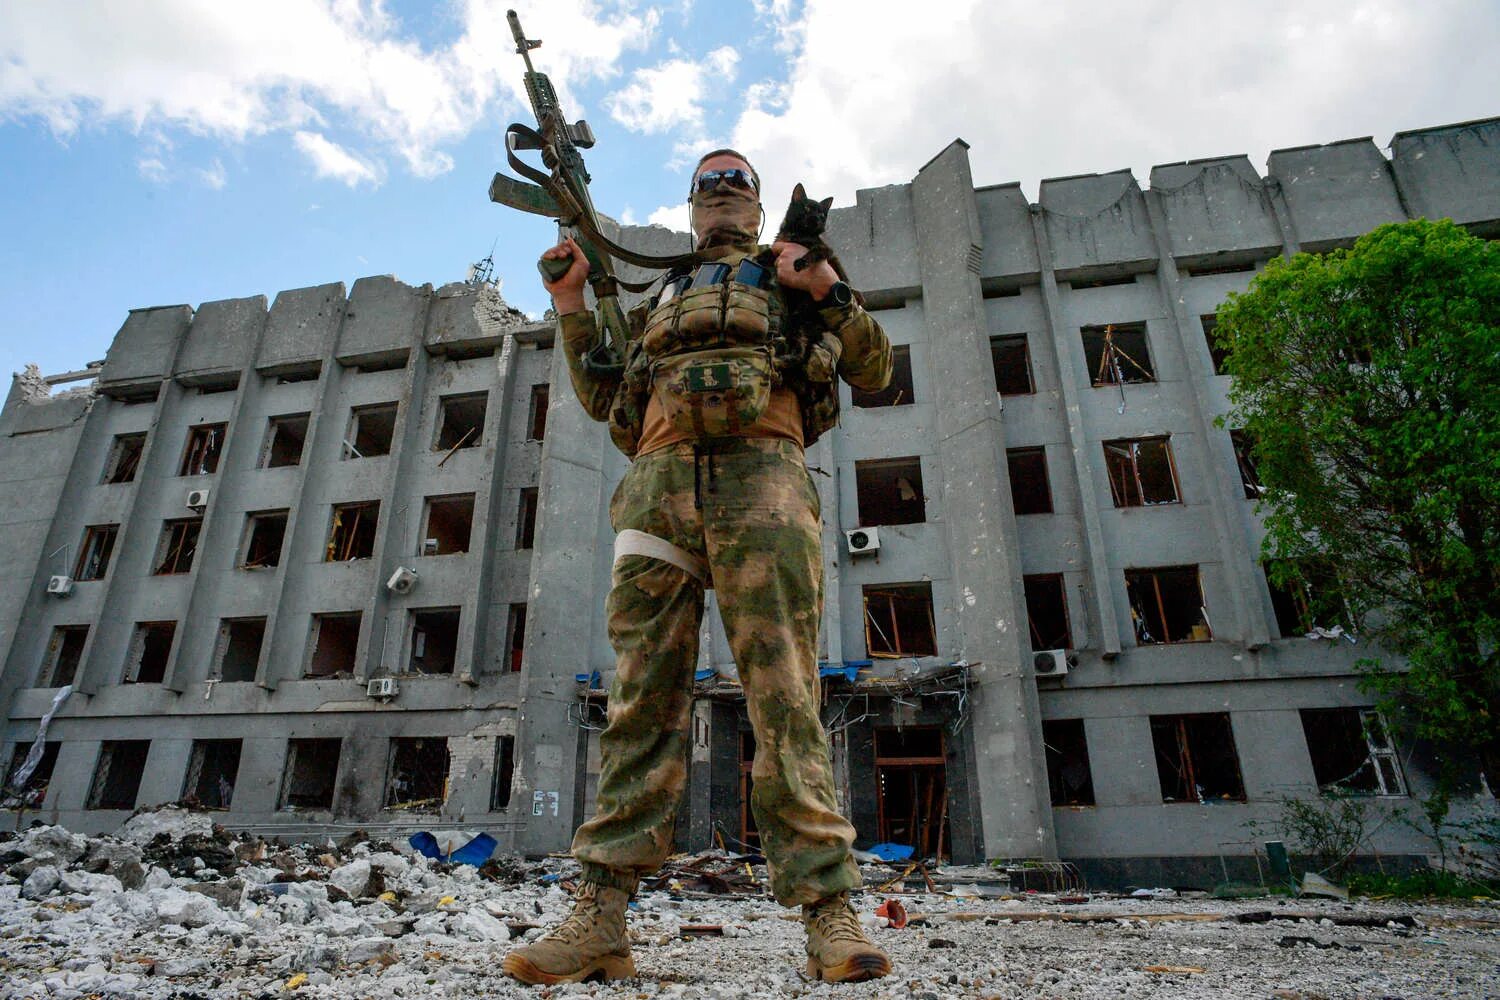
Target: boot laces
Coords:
[[586, 915], [835, 921]]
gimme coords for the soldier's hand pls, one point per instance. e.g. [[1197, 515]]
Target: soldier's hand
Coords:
[[815, 280], [567, 291]]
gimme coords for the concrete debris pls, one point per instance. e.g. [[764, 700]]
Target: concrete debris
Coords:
[[1315, 885], [173, 822]]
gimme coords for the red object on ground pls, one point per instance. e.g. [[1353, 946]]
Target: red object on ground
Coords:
[[893, 911]]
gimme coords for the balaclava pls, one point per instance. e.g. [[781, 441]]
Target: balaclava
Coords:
[[725, 215]]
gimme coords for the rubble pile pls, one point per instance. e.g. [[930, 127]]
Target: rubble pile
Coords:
[[174, 906]]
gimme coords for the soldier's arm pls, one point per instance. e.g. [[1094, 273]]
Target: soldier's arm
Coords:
[[579, 332], [866, 359]]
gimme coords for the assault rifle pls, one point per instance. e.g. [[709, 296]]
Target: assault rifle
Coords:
[[562, 192]]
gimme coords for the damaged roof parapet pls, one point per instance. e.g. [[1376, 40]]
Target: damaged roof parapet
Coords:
[[36, 387]]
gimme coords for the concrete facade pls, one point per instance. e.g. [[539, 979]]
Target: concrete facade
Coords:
[[948, 267]]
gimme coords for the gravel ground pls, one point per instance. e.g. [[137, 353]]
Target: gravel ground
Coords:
[[206, 916]]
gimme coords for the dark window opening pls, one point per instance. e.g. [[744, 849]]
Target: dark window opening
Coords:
[[1249, 477], [516, 643], [1079, 284], [417, 776], [505, 773], [225, 383], [300, 373], [204, 445], [124, 458], [460, 421], [1352, 752], [240, 641], [1166, 605], [749, 831], [911, 795], [179, 543], [526, 518], [1047, 612], [1069, 778], [1311, 603], [265, 533], [335, 643], [898, 392], [117, 776], [536, 423], [450, 521], [1117, 354], [1195, 758], [889, 491], [352, 533], [93, 555], [150, 649], [1218, 351], [1011, 359], [434, 641], [1030, 489], [371, 430], [898, 620], [1206, 270], [1141, 472], [391, 361], [31, 792], [64, 654], [211, 772], [312, 767], [285, 438]]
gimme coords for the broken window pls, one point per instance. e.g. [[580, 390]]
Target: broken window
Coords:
[[211, 771], [117, 776], [32, 792], [1195, 758], [1141, 472], [898, 620], [64, 653], [308, 372], [434, 641], [749, 831], [1309, 604], [240, 641], [1047, 611], [390, 361], [526, 518], [334, 644], [911, 796], [265, 531], [150, 649], [285, 438], [352, 533], [449, 522], [898, 392], [1078, 284], [505, 772], [312, 767], [416, 778], [1218, 352], [516, 641], [93, 555], [1166, 605], [536, 422], [1030, 489], [1116, 354], [204, 445], [1012, 362], [124, 458], [179, 542], [1206, 270], [1249, 477], [889, 491], [1352, 751], [371, 430], [1069, 778], [460, 421]]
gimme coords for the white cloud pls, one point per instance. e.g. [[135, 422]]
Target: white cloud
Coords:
[[675, 217], [627, 217], [329, 159], [214, 176], [152, 169], [670, 94]]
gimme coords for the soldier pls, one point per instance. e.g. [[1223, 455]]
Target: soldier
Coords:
[[722, 387]]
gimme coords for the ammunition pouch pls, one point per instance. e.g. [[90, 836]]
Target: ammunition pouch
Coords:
[[627, 410], [714, 393]]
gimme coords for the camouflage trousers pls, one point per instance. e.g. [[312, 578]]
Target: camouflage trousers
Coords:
[[750, 510]]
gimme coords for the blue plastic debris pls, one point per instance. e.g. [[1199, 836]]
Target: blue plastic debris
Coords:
[[702, 675], [549, 879], [591, 680], [892, 852], [849, 674], [475, 851]]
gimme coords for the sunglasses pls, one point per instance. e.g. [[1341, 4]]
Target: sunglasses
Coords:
[[734, 177]]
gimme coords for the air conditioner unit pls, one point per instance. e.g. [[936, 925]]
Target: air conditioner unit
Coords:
[[1053, 662], [862, 541], [62, 586], [429, 546], [382, 687], [402, 580], [197, 499]]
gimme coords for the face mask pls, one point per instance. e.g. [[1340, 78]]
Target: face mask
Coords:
[[725, 215]]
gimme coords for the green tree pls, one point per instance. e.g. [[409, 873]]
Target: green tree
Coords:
[[1368, 381]]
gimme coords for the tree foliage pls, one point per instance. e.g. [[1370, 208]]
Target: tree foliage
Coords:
[[1368, 381]]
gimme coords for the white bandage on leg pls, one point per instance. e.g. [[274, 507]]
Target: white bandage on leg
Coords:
[[638, 543]]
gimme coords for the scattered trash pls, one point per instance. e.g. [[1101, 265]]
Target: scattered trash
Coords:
[[890, 852], [454, 846], [893, 913], [1154, 894], [1316, 886]]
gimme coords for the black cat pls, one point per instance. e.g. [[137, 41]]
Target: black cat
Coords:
[[803, 224]]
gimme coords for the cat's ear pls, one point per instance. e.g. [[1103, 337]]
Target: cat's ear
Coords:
[[799, 193], [827, 203]]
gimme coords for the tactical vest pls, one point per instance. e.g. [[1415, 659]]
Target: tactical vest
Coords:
[[713, 344]]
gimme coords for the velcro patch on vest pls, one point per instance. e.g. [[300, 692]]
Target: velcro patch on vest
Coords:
[[710, 378]]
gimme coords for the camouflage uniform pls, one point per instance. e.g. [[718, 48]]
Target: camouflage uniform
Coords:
[[748, 508]]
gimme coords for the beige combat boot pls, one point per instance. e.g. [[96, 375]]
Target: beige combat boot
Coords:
[[837, 949], [590, 944]]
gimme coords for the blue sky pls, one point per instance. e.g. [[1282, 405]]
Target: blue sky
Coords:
[[173, 151]]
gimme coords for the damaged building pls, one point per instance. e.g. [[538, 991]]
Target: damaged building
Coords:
[[340, 559]]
